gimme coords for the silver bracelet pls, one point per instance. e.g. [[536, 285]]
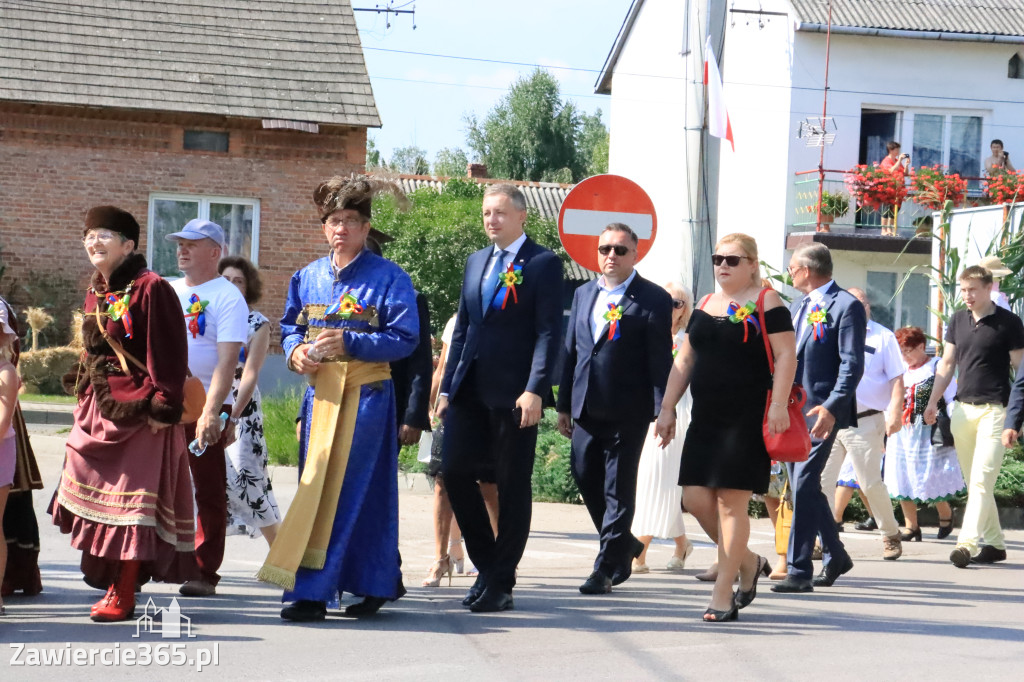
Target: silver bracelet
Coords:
[[778, 404]]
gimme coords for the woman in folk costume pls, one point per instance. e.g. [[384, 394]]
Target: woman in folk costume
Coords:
[[20, 528], [347, 316], [125, 494]]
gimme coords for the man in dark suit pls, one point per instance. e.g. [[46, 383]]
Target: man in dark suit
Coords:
[[618, 353], [830, 329], [499, 371]]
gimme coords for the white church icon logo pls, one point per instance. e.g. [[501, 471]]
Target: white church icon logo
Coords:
[[172, 622]]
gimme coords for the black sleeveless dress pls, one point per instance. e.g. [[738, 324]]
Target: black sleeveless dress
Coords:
[[724, 446]]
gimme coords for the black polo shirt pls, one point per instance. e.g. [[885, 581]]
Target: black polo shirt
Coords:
[[983, 354]]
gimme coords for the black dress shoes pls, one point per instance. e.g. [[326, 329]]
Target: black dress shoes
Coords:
[[371, 605], [622, 575], [304, 611], [474, 592], [491, 601], [831, 571], [791, 585], [867, 525], [987, 554], [597, 583]]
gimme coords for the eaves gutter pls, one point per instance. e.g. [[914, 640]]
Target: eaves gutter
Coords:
[[911, 35]]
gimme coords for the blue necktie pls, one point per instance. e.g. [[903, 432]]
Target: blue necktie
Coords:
[[801, 322], [490, 283]]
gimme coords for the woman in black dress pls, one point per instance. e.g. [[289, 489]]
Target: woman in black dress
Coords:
[[723, 362]]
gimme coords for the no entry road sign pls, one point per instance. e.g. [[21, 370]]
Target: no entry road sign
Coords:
[[596, 202]]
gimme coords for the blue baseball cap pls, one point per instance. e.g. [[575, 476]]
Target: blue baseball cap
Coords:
[[199, 229]]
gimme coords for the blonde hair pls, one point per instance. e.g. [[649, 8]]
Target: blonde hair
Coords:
[[749, 247], [681, 291]]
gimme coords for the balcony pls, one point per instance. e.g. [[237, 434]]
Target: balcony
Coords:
[[861, 228]]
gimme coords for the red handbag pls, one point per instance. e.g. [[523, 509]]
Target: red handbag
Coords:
[[793, 444]]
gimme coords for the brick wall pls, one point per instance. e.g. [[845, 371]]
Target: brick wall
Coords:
[[57, 162]]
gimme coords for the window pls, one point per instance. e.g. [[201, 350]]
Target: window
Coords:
[[168, 213], [1015, 69], [206, 141], [892, 310], [952, 140]]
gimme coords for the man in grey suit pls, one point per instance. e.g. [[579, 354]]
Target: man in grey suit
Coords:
[[830, 328]]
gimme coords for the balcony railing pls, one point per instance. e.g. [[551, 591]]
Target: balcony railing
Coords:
[[909, 218]]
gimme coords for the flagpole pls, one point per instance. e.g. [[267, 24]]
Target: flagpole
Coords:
[[824, 114]]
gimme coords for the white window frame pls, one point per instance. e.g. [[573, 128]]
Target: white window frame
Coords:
[[204, 214], [907, 138], [905, 128]]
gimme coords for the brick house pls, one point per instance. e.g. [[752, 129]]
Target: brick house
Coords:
[[230, 110]]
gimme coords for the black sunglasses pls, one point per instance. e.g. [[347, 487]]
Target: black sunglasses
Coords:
[[731, 261], [678, 303], [605, 249]]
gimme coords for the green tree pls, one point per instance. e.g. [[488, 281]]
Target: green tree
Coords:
[[436, 235], [411, 160], [451, 162], [373, 157], [594, 139], [531, 134]]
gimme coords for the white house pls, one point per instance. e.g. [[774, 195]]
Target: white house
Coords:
[[942, 77]]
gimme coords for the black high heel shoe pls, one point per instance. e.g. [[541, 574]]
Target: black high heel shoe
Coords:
[[912, 534], [945, 528], [721, 616], [742, 599]]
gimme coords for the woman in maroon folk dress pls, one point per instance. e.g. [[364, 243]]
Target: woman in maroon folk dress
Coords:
[[125, 494]]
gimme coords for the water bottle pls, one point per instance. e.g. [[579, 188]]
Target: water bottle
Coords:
[[313, 354], [194, 448]]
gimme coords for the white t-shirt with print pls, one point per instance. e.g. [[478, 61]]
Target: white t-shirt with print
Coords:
[[227, 320]]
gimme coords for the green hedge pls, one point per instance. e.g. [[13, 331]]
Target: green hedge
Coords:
[[552, 477]]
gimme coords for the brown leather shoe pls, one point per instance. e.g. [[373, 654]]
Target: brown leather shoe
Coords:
[[892, 547]]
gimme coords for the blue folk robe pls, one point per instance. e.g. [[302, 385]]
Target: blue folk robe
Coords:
[[362, 555]]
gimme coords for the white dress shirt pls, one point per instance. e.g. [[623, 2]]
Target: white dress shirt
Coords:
[[883, 362], [511, 251], [604, 297], [815, 297]]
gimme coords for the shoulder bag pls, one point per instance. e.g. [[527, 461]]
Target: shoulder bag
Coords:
[[194, 395], [793, 444]]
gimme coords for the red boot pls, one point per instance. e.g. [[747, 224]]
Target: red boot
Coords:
[[102, 603], [119, 602]]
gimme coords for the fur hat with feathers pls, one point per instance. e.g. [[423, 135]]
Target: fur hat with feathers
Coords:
[[355, 192]]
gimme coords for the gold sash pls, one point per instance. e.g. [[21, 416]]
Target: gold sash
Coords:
[[303, 537]]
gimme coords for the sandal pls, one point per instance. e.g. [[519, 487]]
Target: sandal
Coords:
[[437, 571], [743, 598]]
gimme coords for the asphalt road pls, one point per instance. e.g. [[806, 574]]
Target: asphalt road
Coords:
[[917, 618]]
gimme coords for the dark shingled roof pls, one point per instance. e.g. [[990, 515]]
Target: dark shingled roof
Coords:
[[981, 17], [279, 59]]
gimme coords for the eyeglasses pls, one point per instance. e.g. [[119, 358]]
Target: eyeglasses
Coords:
[[620, 250], [792, 268], [333, 222], [104, 236], [731, 261], [678, 303]]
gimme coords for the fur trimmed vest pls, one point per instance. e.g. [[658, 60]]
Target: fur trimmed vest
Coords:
[[157, 339]]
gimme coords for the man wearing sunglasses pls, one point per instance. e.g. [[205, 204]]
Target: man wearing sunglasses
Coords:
[[830, 329], [618, 353]]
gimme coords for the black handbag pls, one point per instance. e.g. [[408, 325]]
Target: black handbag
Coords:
[[942, 434]]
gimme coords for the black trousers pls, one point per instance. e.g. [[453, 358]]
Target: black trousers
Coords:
[[480, 442], [605, 458]]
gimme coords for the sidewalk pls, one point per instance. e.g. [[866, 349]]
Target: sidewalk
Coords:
[[916, 618]]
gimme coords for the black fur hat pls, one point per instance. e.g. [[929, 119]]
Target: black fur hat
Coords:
[[112, 218]]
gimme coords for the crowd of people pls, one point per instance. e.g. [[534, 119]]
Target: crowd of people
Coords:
[[668, 406]]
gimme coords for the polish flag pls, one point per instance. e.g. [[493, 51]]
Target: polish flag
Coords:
[[718, 116]]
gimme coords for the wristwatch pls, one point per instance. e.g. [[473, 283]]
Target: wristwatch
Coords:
[[233, 420]]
